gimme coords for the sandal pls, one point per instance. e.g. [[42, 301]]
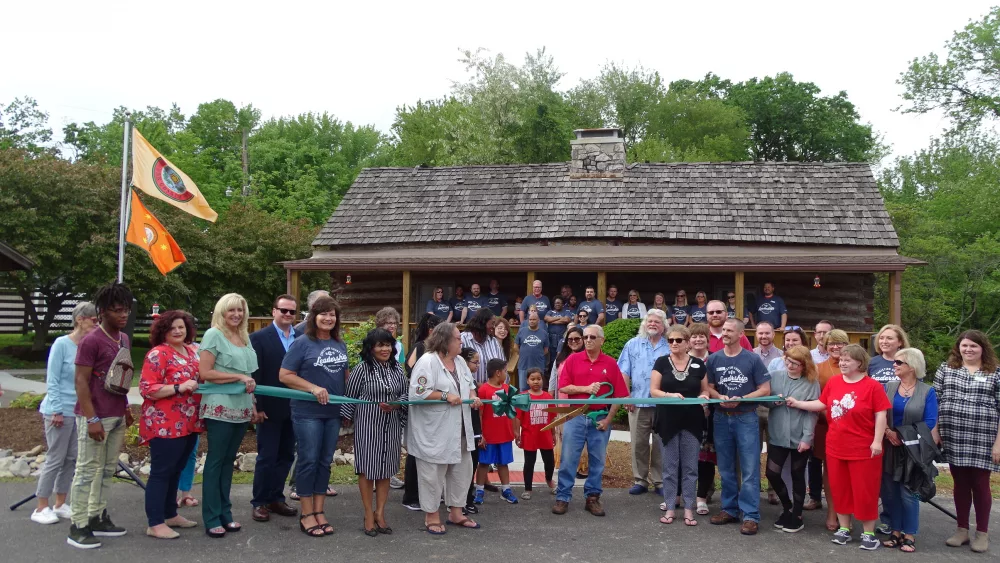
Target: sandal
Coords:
[[187, 502], [908, 543], [327, 527], [894, 541], [462, 524], [294, 495], [690, 521], [310, 531], [216, 532], [437, 529], [233, 527], [331, 492], [666, 519], [702, 508]]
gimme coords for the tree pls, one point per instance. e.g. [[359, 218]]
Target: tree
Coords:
[[24, 126], [693, 125], [966, 85], [790, 121], [629, 96]]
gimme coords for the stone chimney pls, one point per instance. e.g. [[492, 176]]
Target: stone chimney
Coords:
[[597, 153]]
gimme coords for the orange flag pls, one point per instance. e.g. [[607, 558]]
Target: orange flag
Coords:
[[146, 232]]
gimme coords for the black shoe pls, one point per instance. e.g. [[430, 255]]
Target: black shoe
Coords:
[[793, 524], [102, 526], [82, 538], [783, 520], [470, 509], [414, 506]]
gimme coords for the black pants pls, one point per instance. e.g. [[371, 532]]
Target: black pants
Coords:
[[167, 458], [472, 486], [275, 454], [410, 493], [706, 478], [548, 461], [815, 468], [776, 457]]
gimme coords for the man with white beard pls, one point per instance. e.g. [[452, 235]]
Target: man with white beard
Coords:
[[636, 364]]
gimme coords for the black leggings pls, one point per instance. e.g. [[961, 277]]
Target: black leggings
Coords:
[[776, 457], [472, 486], [410, 493], [815, 469], [706, 478], [548, 460]]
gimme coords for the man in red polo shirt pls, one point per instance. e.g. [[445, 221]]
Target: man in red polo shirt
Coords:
[[581, 377], [716, 312]]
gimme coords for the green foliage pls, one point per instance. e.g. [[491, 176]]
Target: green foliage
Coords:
[[132, 434], [353, 337], [27, 401], [23, 126], [617, 333]]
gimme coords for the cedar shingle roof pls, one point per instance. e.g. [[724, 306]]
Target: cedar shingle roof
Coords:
[[805, 203]]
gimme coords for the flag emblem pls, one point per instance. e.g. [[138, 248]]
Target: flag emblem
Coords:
[[169, 182], [150, 235]]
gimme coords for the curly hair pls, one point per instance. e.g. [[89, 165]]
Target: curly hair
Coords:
[[425, 326], [479, 324], [323, 304], [375, 337], [161, 327], [111, 295]]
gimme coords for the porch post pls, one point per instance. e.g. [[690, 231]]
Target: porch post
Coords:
[[895, 294], [531, 282], [602, 286], [406, 310], [292, 284], [738, 290]]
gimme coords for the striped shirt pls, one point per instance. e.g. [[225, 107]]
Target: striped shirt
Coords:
[[488, 350]]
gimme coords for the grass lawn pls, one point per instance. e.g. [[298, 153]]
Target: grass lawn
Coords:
[[10, 362]]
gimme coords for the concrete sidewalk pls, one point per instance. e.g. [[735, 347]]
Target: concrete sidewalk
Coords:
[[13, 386]]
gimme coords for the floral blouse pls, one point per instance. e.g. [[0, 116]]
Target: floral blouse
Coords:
[[177, 415]]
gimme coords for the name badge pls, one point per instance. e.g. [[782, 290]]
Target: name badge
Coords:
[[980, 378]]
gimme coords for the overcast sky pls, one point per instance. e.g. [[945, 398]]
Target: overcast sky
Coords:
[[360, 60]]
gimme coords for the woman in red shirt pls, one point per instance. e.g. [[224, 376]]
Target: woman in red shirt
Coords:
[[855, 406], [169, 420]]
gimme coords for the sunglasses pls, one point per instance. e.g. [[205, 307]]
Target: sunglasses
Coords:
[[675, 340], [590, 337], [286, 311], [793, 327], [574, 339], [730, 297], [899, 362], [716, 312]]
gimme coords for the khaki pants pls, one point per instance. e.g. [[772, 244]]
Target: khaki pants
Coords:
[[95, 466], [452, 479], [647, 467]]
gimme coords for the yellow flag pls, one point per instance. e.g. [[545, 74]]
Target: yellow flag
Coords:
[[146, 232], [158, 177]]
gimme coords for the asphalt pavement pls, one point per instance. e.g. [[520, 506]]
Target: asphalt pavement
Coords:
[[527, 531]]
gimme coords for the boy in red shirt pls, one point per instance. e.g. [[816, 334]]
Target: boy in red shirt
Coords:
[[498, 434], [531, 438]]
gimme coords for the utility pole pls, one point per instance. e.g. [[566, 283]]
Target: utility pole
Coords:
[[246, 164]]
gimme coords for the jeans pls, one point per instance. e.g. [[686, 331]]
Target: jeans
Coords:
[[224, 439], [96, 463], [186, 481], [317, 438], [737, 441], [60, 459], [275, 454], [901, 506], [167, 458], [578, 432]]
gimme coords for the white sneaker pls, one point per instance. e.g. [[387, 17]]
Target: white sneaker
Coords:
[[46, 516], [396, 482], [63, 511]]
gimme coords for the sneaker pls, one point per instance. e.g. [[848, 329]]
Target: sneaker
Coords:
[[508, 495], [102, 526], [470, 509], [841, 536], [64, 511], [782, 520], [526, 495], [869, 542], [480, 495], [414, 506], [82, 538], [638, 489], [44, 516], [883, 529], [793, 524], [396, 483]]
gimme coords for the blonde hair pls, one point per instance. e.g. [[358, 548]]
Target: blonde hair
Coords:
[[836, 336], [224, 304], [802, 355], [904, 340]]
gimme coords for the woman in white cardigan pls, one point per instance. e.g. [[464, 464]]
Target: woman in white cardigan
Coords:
[[634, 308], [440, 437]]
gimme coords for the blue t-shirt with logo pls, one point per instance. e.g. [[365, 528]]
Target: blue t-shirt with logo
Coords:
[[531, 346], [593, 308], [541, 304], [882, 370], [439, 309], [496, 303], [474, 304], [679, 313], [770, 310], [698, 314], [457, 306], [737, 376], [632, 311], [612, 310], [559, 329], [322, 363]]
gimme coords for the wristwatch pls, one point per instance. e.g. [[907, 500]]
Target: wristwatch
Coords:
[[444, 396], [177, 389]]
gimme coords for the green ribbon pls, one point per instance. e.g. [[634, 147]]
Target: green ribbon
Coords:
[[507, 403]]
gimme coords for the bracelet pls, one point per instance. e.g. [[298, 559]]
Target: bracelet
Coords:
[[93, 420]]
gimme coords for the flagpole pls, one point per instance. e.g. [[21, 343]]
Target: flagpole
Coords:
[[125, 201]]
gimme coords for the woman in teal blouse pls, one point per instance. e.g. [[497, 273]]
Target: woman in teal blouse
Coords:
[[226, 357]]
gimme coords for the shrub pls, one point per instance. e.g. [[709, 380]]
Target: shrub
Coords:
[[617, 333], [27, 401], [353, 337]]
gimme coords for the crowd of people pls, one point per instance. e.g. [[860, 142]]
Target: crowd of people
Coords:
[[861, 428]]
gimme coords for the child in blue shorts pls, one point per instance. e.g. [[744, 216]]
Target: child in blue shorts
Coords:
[[498, 434]]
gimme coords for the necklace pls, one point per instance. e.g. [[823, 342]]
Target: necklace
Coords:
[[906, 391], [680, 375], [119, 341]]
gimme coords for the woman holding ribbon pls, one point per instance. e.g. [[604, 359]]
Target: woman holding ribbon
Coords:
[[317, 364]]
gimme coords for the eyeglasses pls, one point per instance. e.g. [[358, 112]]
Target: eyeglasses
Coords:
[[286, 311], [574, 339], [682, 295], [899, 362], [590, 337], [675, 340], [792, 363], [730, 297]]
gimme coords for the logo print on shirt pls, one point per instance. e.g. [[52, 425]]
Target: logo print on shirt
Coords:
[[840, 407], [732, 378], [331, 359], [532, 340], [538, 415], [766, 308], [698, 316]]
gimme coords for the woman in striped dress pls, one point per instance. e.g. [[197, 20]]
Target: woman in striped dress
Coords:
[[378, 428]]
